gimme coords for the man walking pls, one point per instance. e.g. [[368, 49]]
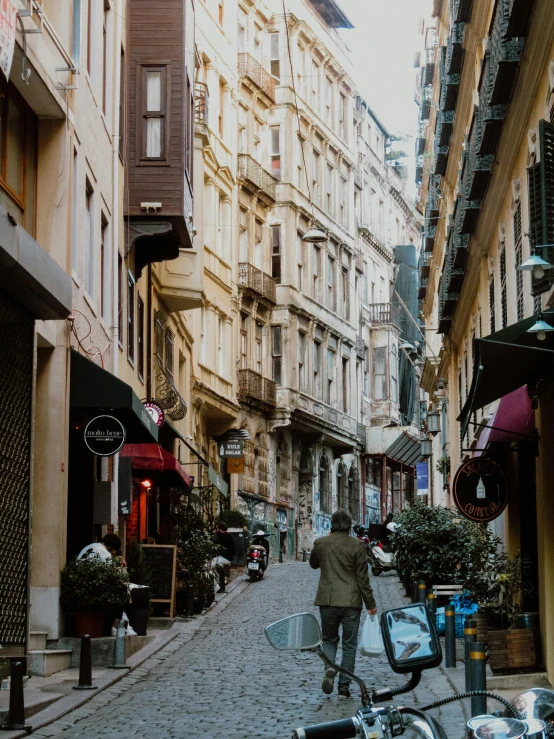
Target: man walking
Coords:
[[343, 585]]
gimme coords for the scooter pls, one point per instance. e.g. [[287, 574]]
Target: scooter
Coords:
[[256, 562], [380, 560], [411, 645]]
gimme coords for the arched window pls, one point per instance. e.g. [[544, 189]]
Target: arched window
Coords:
[[324, 484], [342, 485]]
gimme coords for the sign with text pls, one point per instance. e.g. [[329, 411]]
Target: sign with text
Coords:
[[156, 411], [161, 561], [422, 472], [104, 435], [480, 490], [231, 449], [8, 20], [235, 466]]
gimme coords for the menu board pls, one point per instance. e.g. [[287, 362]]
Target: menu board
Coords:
[[161, 560]]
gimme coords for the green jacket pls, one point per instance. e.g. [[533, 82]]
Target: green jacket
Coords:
[[344, 580]]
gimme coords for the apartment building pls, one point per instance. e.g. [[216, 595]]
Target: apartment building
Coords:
[[485, 190]]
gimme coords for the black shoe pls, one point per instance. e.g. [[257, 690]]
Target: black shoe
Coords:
[[344, 693], [328, 684]]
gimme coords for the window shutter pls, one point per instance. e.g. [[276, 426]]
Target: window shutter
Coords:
[[540, 182]]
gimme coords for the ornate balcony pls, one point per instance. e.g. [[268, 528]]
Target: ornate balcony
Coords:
[[167, 395], [251, 69], [445, 124], [505, 54], [255, 178], [255, 387], [429, 72], [420, 145], [383, 313], [518, 12], [461, 10], [430, 232], [201, 99], [425, 109], [441, 159], [260, 284], [454, 49]]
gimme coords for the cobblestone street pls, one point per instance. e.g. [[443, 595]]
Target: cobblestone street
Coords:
[[222, 679]]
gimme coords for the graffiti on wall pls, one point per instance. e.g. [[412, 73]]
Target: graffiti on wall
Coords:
[[322, 524]]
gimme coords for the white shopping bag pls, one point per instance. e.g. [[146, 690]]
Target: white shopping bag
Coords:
[[371, 642]]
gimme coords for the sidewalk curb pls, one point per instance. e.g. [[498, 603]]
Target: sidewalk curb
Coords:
[[75, 700]]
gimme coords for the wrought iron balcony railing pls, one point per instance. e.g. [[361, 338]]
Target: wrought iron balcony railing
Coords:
[[255, 177], [425, 108], [505, 55], [384, 313], [253, 386], [454, 49], [518, 17], [253, 279], [441, 159], [445, 124], [201, 99], [461, 10], [168, 396], [253, 70]]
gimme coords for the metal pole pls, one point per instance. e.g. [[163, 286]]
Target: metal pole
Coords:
[[432, 604], [85, 666], [450, 636], [478, 677], [470, 636], [303, 555], [119, 650], [16, 711], [280, 555], [421, 591]]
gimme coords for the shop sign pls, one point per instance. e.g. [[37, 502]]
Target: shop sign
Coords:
[[235, 465], [217, 481], [422, 472], [231, 449], [480, 490], [155, 411], [8, 20], [104, 436]]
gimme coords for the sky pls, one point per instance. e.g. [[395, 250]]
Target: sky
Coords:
[[383, 44]]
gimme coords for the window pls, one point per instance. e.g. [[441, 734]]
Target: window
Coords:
[[219, 220], [329, 102], [259, 347], [159, 336], [302, 361], [243, 235], [330, 375], [257, 139], [503, 293], [75, 211], [324, 486], [105, 55], [154, 121], [243, 143], [276, 253], [18, 158], [317, 369], [169, 347], [89, 239], [243, 341], [258, 244], [122, 100], [120, 299], [343, 202], [315, 85], [492, 300], [518, 259], [275, 64], [241, 37], [345, 384], [140, 338], [275, 132], [90, 37], [343, 112], [257, 43], [346, 293], [540, 182], [329, 189], [221, 115], [366, 372], [276, 352], [104, 267], [394, 374], [316, 164], [220, 340], [380, 373], [300, 178], [131, 318], [316, 265], [331, 293], [300, 261]]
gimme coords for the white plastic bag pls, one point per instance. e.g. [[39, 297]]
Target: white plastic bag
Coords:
[[371, 642]]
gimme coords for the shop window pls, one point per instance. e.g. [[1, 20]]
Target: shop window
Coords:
[[153, 101], [354, 493], [276, 354]]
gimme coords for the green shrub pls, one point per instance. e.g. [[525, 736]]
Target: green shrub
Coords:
[[139, 573], [93, 584], [235, 519]]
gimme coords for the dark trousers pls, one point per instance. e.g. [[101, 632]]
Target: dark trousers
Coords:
[[332, 617]]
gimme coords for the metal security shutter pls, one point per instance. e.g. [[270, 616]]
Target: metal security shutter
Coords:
[[540, 182], [16, 378]]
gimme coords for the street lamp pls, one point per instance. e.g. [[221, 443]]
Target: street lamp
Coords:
[[541, 328], [426, 447], [433, 422], [315, 235], [536, 265]]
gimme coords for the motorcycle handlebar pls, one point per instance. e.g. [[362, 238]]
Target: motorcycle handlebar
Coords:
[[345, 729]]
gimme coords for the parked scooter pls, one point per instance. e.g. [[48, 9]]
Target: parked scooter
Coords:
[[412, 645], [257, 558], [379, 559]]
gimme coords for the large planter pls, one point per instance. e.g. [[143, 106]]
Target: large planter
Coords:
[[512, 649], [89, 622]]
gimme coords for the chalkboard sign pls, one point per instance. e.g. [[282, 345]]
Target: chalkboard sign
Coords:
[[161, 560]]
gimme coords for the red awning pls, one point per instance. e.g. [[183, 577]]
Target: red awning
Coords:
[[171, 465], [144, 456], [513, 420]]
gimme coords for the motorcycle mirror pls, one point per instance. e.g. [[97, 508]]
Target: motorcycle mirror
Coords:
[[298, 632], [410, 639]]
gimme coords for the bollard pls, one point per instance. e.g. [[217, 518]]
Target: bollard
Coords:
[[470, 636], [421, 591], [408, 585], [280, 557], [303, 555], [85, 666], [450, 636], [478, 677], [119, 661], [16, 711], [432, 603]]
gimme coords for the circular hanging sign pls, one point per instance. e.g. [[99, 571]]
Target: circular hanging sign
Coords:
[[480, 490], [104, 436], [156, 411]]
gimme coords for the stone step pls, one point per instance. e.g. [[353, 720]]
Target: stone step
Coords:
[[45, 662], [35, 701], [38, 640]]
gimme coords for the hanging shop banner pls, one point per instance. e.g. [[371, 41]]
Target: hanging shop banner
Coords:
[[480, 490], [8, 20], [155, 410], [231, 449], [422, 472], [104, 435], [235, 466]]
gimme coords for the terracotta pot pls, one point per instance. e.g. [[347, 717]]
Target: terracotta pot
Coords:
[[89, 622]]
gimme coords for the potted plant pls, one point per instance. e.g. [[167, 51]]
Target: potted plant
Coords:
[[139, 575], [89, 587], [196, 551]]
